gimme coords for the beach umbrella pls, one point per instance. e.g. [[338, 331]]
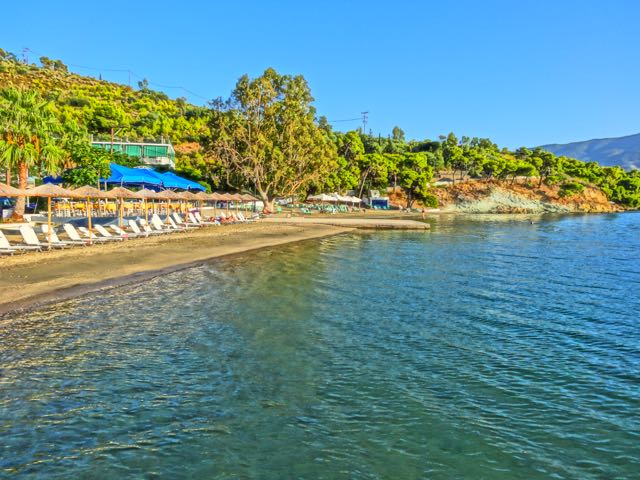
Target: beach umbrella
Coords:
[[202, 197], [146, 194], [9, 191], [87, 193], [168, 195], [225, 197], [189, 196], [237, 198], [250, 198], [216, 197], [49, 191], [120, 193]]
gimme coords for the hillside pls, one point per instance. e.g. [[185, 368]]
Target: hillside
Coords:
[[99, 106], [622, 151]]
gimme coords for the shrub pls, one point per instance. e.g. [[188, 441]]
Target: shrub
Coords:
[[430, 200], [569, 189]]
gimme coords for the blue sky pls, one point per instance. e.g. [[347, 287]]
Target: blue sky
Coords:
[[520, 72]]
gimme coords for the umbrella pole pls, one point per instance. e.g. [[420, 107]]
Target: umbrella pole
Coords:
[[121, 206], [49, 222], [146, 212], [89, 206]]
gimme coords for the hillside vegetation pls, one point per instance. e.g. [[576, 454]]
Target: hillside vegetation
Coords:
[[267, 138]]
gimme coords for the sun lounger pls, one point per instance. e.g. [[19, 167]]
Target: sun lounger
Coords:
[[31, 238], [136, 229], [151, 231], [157, 224], [180, 221], [5, 245], [73, 234], [173, 225], [92, 236], [56, 239], [197, 219], [121, 233], [106, 234]]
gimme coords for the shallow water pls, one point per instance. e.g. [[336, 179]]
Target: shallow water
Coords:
[[489, 348]]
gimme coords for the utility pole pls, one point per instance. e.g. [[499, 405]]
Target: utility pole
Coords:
[[25, 55], [365, 118]]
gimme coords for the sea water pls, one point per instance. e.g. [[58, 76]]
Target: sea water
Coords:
[[491, 347]]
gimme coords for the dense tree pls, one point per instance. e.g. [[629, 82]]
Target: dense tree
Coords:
[[414, 174], [29, 137], [267, 134]]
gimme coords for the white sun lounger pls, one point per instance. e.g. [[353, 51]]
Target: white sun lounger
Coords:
[[151, 231], [92, 236], [73, 234], [121, 233], [136, 229], [156, 223], [197, 219], [180, 221], [31, 238], [106, 234], [56, 239], [5, 245], [173, 225]]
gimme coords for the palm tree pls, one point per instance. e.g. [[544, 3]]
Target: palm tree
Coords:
[[29, 137]]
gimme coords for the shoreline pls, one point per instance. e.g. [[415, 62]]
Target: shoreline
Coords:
[[50, 277]]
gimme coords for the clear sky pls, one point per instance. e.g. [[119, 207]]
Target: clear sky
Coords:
[[522, 72]]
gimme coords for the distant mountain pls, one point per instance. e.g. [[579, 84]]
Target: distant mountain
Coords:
[[622, 151]]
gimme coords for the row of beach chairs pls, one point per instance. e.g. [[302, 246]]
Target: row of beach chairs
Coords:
[[81, 236]]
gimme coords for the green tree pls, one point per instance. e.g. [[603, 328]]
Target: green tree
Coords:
[[29, 137], [414, 175], [266, 134], [397, 134]]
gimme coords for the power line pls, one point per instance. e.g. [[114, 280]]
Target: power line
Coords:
[[345, 120], [131, 73]]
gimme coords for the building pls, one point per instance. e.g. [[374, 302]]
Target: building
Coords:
[[160, 154]]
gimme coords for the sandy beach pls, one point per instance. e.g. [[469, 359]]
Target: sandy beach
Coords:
[[31, 280]]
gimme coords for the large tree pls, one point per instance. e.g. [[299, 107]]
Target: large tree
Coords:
[[267, 136], [415, 173], [29, 137]]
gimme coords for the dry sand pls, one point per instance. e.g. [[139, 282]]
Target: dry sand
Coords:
[[34, 279]]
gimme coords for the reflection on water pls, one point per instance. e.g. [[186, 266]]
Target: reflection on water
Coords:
[[484, 349]]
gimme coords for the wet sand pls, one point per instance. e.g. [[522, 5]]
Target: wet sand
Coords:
[[371, 223], [35, 279]]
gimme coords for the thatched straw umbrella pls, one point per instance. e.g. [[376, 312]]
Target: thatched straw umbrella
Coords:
[[250, 198], [49, 190], [120, 193], [201, 197], [168, 195], [88, 193], [9, 191], [188, 196], [225, 197], [146, 194]]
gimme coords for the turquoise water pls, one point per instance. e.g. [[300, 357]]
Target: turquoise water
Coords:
[[489, 348]]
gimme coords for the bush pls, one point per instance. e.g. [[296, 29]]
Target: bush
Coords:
[[78, 102], [569, 189], [430, 200], [554, 179]]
